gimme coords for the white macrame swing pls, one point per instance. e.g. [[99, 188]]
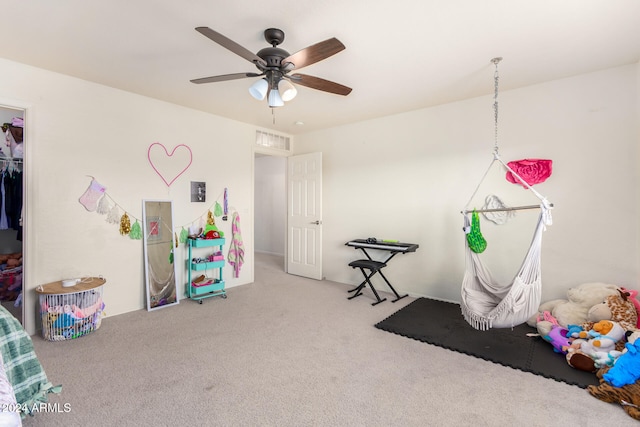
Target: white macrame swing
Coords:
[[485, 303]]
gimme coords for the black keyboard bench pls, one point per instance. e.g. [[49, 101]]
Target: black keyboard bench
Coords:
[[375, 267]]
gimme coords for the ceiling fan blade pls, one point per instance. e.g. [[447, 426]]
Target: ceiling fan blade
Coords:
[[224, 77], [230, 44], [320, 84], [314, 53]]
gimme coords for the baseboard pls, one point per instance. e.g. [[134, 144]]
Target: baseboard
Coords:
[[268, 253]]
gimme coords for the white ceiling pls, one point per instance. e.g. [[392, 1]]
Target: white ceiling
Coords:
[[400, 55]]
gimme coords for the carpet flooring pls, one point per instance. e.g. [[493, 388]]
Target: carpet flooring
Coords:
[[441, 323]]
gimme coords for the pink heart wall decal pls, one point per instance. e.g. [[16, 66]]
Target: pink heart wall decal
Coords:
[[162, 161]]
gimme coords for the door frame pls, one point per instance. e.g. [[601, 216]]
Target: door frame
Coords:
[[276, 153], [28, 308], [272, 153]]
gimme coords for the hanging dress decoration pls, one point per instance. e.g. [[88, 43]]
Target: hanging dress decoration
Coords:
[[485, 303], [96, 199]]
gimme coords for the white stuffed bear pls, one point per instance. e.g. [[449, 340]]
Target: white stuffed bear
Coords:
[[574, 310]]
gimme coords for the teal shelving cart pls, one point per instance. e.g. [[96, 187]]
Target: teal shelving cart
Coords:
[[200, 264]]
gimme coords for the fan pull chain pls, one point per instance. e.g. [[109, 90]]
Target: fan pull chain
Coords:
[[495, 61]]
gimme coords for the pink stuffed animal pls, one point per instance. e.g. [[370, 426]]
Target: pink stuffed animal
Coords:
[[558, 338], [633, 296]]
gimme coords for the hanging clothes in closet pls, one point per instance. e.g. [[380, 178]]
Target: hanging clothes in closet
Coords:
[[11, 200]]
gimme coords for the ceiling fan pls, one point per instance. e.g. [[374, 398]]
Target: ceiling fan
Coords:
[[274, 65]]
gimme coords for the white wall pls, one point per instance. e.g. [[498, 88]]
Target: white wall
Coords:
[[401, 177], [407, 177], [76, 129], [637, 91], [270, 204]]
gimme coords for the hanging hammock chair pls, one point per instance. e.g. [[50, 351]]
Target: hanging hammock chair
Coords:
[[485, 303]]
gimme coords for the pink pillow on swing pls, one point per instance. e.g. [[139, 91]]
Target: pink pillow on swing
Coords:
[[532, 171]]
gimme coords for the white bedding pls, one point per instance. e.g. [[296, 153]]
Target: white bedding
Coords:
[[9, 414]]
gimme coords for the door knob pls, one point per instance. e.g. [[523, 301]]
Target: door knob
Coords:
[[316, 222]]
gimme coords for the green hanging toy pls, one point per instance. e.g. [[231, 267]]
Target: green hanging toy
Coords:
[[476, 241]]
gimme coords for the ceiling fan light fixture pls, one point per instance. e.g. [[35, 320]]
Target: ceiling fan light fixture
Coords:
[[287, 90], [275, 100], [259, 89], [274, 63]]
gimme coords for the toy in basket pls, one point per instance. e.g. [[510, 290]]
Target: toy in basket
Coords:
[[71, 310]]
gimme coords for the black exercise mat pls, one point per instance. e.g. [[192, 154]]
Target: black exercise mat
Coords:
[[441, 323]]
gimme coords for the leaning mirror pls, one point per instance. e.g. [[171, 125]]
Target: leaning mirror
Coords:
[[159, 266]]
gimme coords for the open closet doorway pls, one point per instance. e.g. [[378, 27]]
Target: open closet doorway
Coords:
[[270, 213], [11, 220]]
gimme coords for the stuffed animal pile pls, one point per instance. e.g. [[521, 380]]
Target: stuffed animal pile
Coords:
[[574, 310], [11, 260], [600, 337]]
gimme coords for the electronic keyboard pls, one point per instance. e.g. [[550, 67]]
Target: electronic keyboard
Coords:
[[382, 245]]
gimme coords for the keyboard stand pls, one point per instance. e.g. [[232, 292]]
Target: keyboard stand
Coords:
[[375, 267]]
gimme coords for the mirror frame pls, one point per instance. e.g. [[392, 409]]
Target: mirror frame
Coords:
[[163, 226]]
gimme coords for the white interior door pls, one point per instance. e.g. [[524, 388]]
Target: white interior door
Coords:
[[304, 215]]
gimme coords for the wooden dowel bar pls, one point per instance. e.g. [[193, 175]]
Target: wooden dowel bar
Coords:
[[505, 209]]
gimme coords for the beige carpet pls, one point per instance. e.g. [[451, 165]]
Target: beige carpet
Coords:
[[288, 351]]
